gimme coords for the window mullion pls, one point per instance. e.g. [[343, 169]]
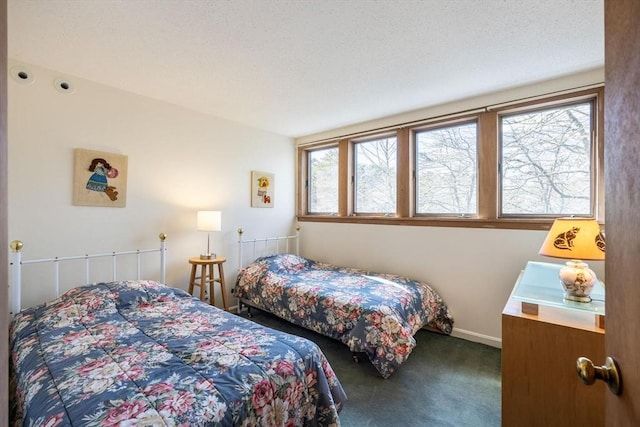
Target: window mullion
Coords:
[[403, 202], [303, 182], [345, 174], [488, 165]]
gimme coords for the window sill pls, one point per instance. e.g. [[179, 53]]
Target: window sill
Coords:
[[518, 224]]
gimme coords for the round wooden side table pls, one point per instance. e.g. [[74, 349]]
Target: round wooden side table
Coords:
[[207, 276]]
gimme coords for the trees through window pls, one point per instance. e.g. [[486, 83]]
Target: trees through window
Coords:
[[505, 166], [446, 170], [376, 168], [547, 161], [323, 180]]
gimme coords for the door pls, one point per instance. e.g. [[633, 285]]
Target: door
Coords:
[[622, 205]]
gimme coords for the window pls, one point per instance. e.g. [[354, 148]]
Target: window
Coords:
[[323, 180], [547, 161], [515, 165], [446, 170], [376, 175]]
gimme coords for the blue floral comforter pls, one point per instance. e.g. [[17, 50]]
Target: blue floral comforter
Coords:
[[377, 314], [141, 353]]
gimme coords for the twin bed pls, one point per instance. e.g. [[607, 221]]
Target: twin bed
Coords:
[[372, 313], [140, 352], [137, 352]]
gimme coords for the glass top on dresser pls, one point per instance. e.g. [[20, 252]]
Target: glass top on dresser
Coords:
[[539, 284]]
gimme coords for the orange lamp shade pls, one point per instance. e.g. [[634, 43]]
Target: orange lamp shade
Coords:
[[574, 238]]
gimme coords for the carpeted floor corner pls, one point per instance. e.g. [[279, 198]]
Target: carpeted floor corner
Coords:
[[445, 382]]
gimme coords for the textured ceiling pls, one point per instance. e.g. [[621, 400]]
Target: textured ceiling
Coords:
[[305, 66]]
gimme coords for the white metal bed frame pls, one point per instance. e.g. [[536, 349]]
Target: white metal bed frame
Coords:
[[264, 247], [267, 249], [15, 288]]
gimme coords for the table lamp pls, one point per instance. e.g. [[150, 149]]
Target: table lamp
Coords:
[[576, 239], [209, 221]]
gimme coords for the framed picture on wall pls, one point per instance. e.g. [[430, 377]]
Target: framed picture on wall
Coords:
[[262, 189], [99, 179]]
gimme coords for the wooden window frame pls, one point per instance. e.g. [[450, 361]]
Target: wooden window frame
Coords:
[[303, 178], [441, 124], [488, 176], [594, 156], [352, 177]]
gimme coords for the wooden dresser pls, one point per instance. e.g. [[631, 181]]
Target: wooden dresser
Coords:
[[540, 386]]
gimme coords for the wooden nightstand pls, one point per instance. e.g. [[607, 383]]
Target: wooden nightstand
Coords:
[[540, 385], [207, 276]]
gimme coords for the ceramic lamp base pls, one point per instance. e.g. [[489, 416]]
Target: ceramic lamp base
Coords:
[[578, 281]]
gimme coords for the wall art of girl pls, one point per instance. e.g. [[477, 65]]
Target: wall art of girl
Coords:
[[98, 180]]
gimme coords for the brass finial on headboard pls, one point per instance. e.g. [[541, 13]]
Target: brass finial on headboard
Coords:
[[163, 237], [16, 245]]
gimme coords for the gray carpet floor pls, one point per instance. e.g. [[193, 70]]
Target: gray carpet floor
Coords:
[[445, 382]]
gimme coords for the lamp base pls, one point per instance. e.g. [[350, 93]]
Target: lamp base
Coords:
[[207, 256], [577, 280], [576, 298]]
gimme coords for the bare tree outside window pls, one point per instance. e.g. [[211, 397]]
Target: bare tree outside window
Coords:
[[546, 161], [514, 165], [376, 176], [323, 180], [446, 170]]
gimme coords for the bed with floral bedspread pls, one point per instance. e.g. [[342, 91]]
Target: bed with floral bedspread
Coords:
[[377, 314], [141, 353]]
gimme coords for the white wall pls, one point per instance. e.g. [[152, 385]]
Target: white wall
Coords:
[[473, 269], [179, 161]]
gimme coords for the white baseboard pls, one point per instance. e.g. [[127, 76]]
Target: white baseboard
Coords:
[[476, 337]]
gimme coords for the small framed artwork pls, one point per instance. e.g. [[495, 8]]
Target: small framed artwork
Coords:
[[99, 179], [262, 189]]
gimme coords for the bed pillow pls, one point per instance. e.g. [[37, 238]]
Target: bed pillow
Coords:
[[141, 292], [286, 263]]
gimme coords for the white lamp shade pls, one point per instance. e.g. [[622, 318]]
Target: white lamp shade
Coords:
[[209, 221]]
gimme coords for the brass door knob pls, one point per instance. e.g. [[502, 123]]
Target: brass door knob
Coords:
[[608, 373]]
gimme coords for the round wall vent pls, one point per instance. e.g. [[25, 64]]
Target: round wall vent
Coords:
[[63, 86], [21, 74]]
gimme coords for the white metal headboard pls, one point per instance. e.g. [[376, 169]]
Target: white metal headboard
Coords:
[[267, 245], [17, 262]]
